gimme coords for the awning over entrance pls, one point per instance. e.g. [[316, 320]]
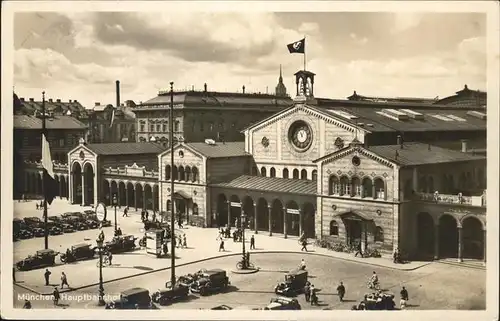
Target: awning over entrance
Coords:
[[182, 194], [354, 215]]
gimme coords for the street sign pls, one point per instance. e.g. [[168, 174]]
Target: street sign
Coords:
[[101, 212], [235, 204], [292, 211]]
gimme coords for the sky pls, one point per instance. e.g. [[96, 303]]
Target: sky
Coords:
[[80, 55]]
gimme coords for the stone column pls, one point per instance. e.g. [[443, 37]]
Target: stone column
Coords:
[[118, 199], [255, 218], [154, 198], [135, 199], [60, 188], [126, 196], [229, 213], [70, 188], [285, 221], [415, 179], [460, 244], [83, 190], [436, 241], [484, 247], [144, 203], [301, 217], [270, 218], [374, 191]]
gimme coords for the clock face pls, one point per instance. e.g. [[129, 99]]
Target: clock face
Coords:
[[300, 135]]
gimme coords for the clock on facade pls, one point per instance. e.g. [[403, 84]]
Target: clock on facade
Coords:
[[300, 135]]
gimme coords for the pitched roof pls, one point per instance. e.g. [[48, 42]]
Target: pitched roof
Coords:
[[271, 184], [126, 148], [420, 154], [56, 122], [227, 149]]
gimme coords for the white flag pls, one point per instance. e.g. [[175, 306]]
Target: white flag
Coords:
[[46, 158]]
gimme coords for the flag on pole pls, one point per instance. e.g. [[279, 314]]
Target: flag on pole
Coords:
[[297, 46], [49, 182], [112, 117]]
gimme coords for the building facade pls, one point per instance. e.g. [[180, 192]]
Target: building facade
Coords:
[[123, 128]]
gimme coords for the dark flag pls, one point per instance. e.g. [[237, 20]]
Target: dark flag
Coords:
[[297, 46], [50, 187]]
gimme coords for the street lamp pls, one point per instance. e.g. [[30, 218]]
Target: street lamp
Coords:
[[243, 224], [115, 204], [101, 286]]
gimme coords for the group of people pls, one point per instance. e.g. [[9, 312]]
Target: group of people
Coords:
[[237, 237]]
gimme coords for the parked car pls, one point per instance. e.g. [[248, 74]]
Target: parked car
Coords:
[[77, 224], [188, 279], [26, 234], [42, 258], [382, 301], [169, 294], [68, 228], [32, 220], [121, 243], [82, 251], [210, 281], [135, 298], [106, 223], [222, 307], [38, 232], [295, 281], [283, 303], [92, 224]]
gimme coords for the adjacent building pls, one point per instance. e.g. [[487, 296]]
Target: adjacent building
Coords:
[[123, 128]]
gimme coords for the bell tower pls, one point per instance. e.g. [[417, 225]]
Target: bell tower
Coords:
[[304, 81]]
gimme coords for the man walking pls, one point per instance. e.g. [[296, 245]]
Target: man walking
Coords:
[[56, 295], [221, 245], [341, 291], [304, 245], [404, 298], [47, 276], [307, 291], [358, 250], [125, 212], [252, 242], [64, 280]]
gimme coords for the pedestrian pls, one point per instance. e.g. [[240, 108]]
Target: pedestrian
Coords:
[[341, 291], [165, 248], [184, 241], [179, 222], [221, 245], [27, 304], [64, 280], [358, 250], [125, 212], [304, 245], [153, 218], [36, 206], [142, 215], [56, 296], [100, 237], [14, 274], [307, 291], [252, 242], [110, 258], [47, 276], [147, 215], [404, 298], [236, 222]]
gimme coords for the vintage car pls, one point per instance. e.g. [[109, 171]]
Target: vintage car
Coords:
[[32, 220], [89, 212], [67, 228], [295, 281], [188, 279], [379, 301], [77, 223], [38, 232], [82, 251], [25, 234], [42, 258], [92, 224], [210, 281], [55, 219], [121, 243], [283, 303], [54, 228], [169, 294], [135, 298]]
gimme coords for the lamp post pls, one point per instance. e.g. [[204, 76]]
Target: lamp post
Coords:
[[101, 286], [243, 223], [115, 204]]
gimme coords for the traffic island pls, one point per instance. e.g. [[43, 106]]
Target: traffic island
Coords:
[[246, 271]]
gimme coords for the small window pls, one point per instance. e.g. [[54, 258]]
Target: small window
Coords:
[[176, 126], [334, 228], [61, 142], [202, 128], [379, 234], [151, 127], [211, 126], [169, 205], [164, 125], [158, 127], [142, 126], [195, 209]]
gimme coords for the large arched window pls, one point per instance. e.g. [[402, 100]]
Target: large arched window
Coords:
[[345, 186], [176, 126], [355, 186], [333, 185], [296, 174], [422, 184], [303, 174], [169, 205], [285, 172], [175, 174], [263, 171], [167, 172], [195, 209], [379, 189], [408, 189], [462, 182], [187, 172], [334, 228], [314, 175], [195, 174], [451, 184], [480, 178], [182, 177], [379, 234], [430, 184], [272, 172], [444, 184]]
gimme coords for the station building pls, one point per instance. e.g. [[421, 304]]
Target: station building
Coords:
[[392, 174]]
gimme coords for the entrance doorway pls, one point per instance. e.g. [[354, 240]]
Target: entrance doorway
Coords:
[[354, 230]]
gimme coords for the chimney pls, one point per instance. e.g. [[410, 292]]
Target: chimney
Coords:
[[243, 88], [400, 141], [464, 145], [205, 87], [70, 101], [21, 99], [50, 100], [32, 99], [58, 100], [192, 88], [75, 101], [97, 104], [117, 93]]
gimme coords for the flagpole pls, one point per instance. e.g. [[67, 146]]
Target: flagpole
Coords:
[[305, 53], [44, 180]]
